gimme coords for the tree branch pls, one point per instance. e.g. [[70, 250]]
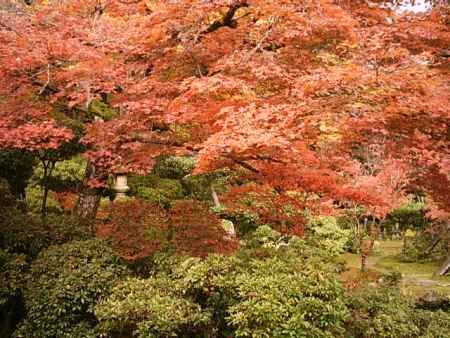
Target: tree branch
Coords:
[[47, 82], [227, 19]]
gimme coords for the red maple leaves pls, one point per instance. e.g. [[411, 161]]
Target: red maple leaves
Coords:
[[286, 90]]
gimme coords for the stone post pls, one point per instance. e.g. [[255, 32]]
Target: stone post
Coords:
[[120, 185]]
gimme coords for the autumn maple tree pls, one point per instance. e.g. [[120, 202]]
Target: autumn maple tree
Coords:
[[341, 102]]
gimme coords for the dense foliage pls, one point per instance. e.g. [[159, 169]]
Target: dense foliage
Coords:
[[64, 284], [199, 168]]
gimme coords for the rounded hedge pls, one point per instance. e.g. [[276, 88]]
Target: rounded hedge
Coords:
[[63, 286]]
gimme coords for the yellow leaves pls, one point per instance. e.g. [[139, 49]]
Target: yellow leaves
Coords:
[[329, 133], [213, 16], [180, 48], [329, 58], [268, 21]]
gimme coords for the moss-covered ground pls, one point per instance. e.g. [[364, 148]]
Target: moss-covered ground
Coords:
[[417, 278]]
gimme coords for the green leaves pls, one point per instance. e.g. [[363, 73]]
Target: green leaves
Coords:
[[149, 308], [283, 294], [64, 284]]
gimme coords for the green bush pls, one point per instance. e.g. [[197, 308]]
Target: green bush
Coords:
[[287, 305], [66, 228], [22, 233], [174, 167], [212, 284], [155, 189], [150, 308], [16, 166], [416, 249], [199, 186], [325, 232], [26, 233], [7, 198], [102, 110], [290, 291], [67, 175], [380, 312], [432, 324], [34, 196], [384, 312], [244, 222], [64, 283], [13, 269], [409, 216]]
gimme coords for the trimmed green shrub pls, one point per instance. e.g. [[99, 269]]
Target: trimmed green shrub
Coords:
[[287, 305], [155, 189], [432, 324], [16, 166], [22, 233], [150, 308], [174, 167], [384, 312], [409, 216], [290, 291], [199, 186], [7, 199], [64, 283], [212, 284], [67, 175], [102, 110], [26, 233], [13, 269], [380, 312], [325, 232], [417, 248], [244, 222]]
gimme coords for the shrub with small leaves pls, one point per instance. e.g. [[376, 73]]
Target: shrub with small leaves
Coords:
[[325, 232], [280, 298], [211, 282], [67, 175], [150, 308], [199, 186], [13, 269], [409, 216], [155, 189], [64, 283], [174, 167], [34, 196], [8, 198], [380, 312], [432, 324], [16, 167], [28, 234], [22, 233]]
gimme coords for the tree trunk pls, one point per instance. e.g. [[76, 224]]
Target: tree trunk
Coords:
[[89, 198], [48, 169], [444, 268], [215, 197]]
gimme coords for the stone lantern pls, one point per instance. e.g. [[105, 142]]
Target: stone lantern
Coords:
[[120, 184]]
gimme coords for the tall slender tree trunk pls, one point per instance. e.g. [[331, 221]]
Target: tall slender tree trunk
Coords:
[[215, 197], [48, 169], [445, 268], [88, 198]]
